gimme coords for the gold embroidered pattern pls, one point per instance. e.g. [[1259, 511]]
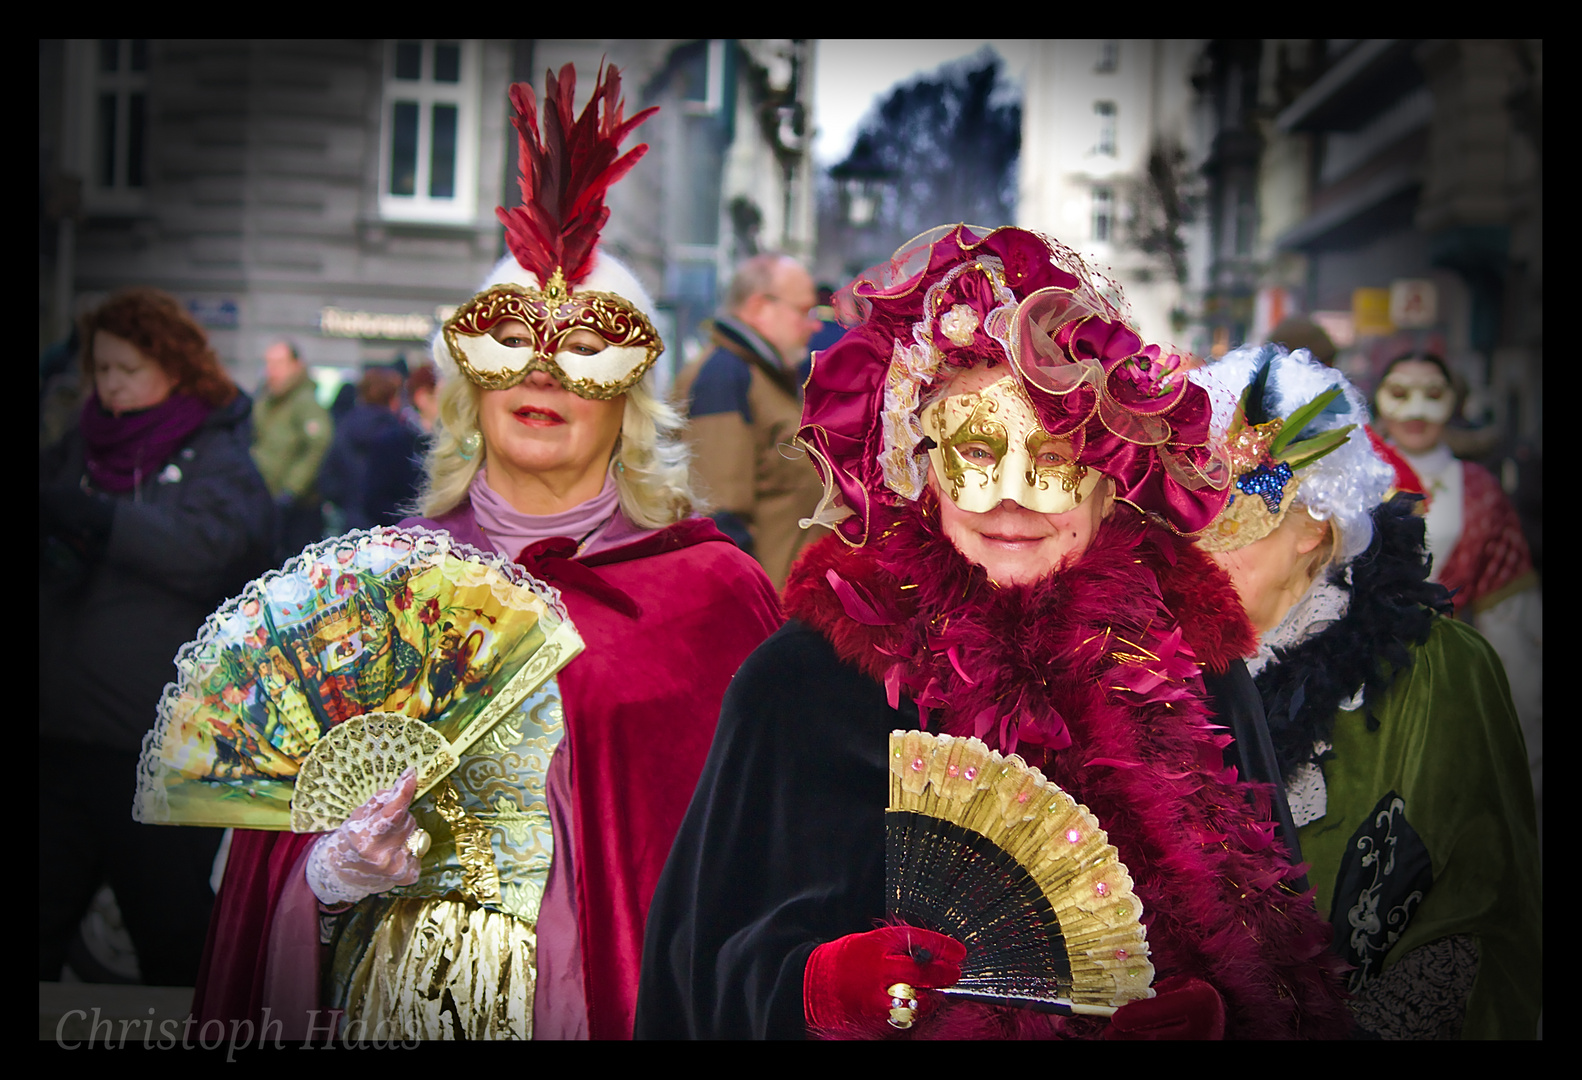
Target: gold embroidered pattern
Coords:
[[438, 969], [480, 881], [550, 318]]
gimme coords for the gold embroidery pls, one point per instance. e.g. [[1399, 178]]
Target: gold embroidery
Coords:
[[437, 969], [550, 318], [480, 880]]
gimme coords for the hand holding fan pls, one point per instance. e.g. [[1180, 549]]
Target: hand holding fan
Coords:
[[324, 680], [981, 847]]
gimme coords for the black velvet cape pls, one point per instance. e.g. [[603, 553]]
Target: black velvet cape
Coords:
[[787, 824]]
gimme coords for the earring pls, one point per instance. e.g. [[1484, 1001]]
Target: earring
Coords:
[[470, 444]]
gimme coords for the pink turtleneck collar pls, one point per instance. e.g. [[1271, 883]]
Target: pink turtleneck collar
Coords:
[[596, 525]]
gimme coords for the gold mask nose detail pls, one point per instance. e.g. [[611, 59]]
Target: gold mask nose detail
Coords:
[[989, 447]]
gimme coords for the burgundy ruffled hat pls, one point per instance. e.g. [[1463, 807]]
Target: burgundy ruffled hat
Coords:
[[960, 296]]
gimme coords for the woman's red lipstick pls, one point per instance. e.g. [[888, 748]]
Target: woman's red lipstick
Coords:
[[536, 414]]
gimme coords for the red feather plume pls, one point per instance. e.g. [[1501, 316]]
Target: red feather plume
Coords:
[[565, 172]]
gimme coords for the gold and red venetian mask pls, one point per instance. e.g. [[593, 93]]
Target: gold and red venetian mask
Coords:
[[550, 316]]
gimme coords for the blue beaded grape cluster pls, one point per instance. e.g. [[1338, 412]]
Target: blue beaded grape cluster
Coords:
[[1267, 482]]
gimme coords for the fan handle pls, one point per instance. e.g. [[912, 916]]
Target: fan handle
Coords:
[[1056, 1006]]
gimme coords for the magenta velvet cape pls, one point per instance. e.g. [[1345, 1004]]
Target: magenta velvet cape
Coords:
[[667, 621]]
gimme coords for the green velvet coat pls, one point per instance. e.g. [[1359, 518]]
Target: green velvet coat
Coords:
[[1447, 767]]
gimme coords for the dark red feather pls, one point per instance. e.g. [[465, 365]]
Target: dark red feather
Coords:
[[567, 166]]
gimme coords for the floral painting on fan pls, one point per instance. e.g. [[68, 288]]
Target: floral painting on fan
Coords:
[[384, 621]]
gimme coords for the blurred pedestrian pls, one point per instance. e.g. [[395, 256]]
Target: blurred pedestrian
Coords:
[[345, 401], [343, 478], [60, 389], [151, 513], [745, 404], [395, 463], [1475, 537], [291, 432], [830, 331]]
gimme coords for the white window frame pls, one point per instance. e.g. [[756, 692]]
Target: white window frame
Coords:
[[1109, 136], [426, 93], [713, 82], [1103, 210], [118, 196]]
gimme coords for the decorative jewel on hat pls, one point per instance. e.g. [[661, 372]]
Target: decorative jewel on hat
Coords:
[[1267, 482], [1265, 457], [567, 167]]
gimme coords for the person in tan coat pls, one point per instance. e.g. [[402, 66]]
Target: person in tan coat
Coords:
[[745, 404]]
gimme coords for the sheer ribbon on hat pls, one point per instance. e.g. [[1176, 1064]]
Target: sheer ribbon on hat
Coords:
[[959, 296]]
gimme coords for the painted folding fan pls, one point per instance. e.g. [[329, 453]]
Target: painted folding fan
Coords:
[[323, 681], [985, 849]]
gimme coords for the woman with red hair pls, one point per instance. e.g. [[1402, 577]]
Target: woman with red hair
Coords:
[[150, 514]]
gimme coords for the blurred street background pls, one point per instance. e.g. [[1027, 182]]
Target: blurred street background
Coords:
[[1364, 197]]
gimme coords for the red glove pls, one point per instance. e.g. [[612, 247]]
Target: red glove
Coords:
[[1182, 1008], [847, 982]]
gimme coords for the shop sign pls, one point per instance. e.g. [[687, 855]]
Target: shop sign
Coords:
[[1414, 303], [1370, 312], [335, 322]]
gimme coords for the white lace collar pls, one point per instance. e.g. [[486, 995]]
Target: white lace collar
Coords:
[[1320, 606]]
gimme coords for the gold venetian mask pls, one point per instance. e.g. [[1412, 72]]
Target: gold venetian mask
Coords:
[[551, 315], [990, 447]]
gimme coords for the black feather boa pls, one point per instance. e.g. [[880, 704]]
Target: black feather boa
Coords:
[[1393, 606]]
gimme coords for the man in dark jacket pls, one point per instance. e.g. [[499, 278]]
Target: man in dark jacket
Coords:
[[343, 478]]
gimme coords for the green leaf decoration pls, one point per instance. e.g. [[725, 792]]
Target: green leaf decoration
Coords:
[[1299, 419], [1302, 454]]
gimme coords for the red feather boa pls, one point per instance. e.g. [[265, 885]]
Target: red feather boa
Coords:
[[1104, 695]]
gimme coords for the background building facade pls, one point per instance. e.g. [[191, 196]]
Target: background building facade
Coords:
[[343, 194], [1108, 133]]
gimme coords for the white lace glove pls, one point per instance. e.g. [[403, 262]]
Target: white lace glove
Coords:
[[369, 853]]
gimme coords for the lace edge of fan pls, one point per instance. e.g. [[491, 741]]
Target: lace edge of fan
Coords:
[[443, 543]]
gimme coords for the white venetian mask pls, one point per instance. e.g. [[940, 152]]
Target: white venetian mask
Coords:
[[1416, 395]]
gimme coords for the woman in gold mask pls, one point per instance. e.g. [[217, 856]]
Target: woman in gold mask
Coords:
[[1392, 724], [525, 918], [1009, 471]]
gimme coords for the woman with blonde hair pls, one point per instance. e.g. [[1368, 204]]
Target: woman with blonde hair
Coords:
[[553, 450]]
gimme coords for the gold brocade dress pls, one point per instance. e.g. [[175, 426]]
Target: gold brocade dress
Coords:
[[454, 956]]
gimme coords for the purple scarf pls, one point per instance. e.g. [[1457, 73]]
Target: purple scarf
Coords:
[[122, 450]]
